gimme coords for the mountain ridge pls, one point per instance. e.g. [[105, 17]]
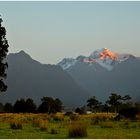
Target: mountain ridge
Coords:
[[28, 78], [80, 79], [103, 57]]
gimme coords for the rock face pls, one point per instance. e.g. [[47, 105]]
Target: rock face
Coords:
[[104, 72], [29, 78]]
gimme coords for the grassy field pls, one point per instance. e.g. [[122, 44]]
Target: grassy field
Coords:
[[43, 126]]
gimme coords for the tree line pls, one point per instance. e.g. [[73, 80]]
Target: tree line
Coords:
[[115, 103], [122, 105], [48, 105]]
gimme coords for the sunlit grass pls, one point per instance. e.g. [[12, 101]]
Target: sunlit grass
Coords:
[[44, 126]]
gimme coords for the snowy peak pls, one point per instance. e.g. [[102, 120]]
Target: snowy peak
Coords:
[[103, 54], [104, 57], [67, 62], [124, 57], [107, 58]]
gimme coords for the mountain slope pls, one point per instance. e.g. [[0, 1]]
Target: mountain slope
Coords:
[[126, 76], [29, 78], [103, 76]]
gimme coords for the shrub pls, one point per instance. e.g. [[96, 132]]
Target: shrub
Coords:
[[80, 110], [95, 122], [74, 117], [135, 126], [77, 130], [127, 124], [58, 117], [118, 117], [15, 125], [68, 113], [43, 125], [129, 112], [54, 131]]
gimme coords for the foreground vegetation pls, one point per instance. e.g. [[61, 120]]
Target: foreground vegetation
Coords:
[[44, 126]]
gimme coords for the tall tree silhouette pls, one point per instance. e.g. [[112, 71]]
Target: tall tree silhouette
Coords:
[[3, 53], [114, 101], [93, 104], [30, 106], [50, 105]]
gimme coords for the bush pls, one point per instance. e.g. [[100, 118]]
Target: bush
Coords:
[[138, 116], [43, 125], [129, 112], [58, 117], [126, 124], [15, 125], [95, 122], [74, 117], [79, 110], [118, 117], [54, 131], [68, 113], [77, 130]]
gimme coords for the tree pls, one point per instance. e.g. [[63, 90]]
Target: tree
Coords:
[[126, 98], [46, 105], [105, 108], [114, 101], [58, 105], [8, 108], [137, 106], [23, 106], [1, 108], [3, 52], [19, 106], [30, 106], [117, 102], [50, 105], [129, 112], [93, 104], [79, 110]]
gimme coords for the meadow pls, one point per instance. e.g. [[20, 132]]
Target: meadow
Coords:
[[60, 126]]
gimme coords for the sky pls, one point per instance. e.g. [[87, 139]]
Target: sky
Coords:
[[50, 30]]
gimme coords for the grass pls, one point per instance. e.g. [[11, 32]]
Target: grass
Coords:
[[43, 126]]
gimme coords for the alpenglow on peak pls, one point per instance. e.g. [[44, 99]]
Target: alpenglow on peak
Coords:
[[104, 53], [104, 57]]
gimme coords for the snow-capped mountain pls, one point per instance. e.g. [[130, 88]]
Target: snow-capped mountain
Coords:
[[104, 72], [104, 57], [67, 62]]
